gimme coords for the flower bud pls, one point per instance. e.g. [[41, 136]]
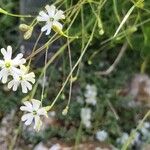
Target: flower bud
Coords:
[[65, 111], [28, 34], [58, 30], [24, 27], [101, 32]]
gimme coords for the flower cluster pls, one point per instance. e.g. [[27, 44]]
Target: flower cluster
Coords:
[[51, 17], [101, 135], [15, 73], [86, 117], [90, 98], [90, 94], [15, 68]]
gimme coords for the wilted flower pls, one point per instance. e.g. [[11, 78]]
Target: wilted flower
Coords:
[[35, 111], [9, 65], [86, 117], [90, 94], [51, 17], [24, 27], [28, 33], [101, 135], [24, 78]]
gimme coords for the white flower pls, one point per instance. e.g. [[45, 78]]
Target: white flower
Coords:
[[9, 65], [86, 117], [35, 111], [24, 78], [101, 135], [91, 91], [90, 94], [51, 17], [123, 139]]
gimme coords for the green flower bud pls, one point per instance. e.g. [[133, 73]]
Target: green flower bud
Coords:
[[28, 34], [24, 27], [65, 111]]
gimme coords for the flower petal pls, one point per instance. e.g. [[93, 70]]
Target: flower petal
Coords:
[[16, 84], [40, 18], [26, 116], [47, 28], [59, 15], [2, 63], [51, 10], [9, 52], [29, 120], [42, 111], [28, 104], [38, 123], [3, 51], [4, 73], [25, 108], [10, 84], [36, 104], [30, 77], [43, 15], [15, 72], [19, 60], [24, 88], [27, 84], [13, 84]]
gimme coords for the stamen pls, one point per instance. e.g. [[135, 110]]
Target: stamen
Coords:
[[51, 19], [7, 64], [34, 112]]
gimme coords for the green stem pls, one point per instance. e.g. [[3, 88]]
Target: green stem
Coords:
[[70, 74], [14, 15]]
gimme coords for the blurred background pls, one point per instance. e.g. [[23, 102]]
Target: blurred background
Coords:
[[107, 103]]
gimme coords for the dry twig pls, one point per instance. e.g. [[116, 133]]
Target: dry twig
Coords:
[[112, 67]]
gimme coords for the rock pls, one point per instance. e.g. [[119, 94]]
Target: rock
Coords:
[[146, 147], [56, 147], [138, 89], [82, 146], [40, 146], [6, 130]]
